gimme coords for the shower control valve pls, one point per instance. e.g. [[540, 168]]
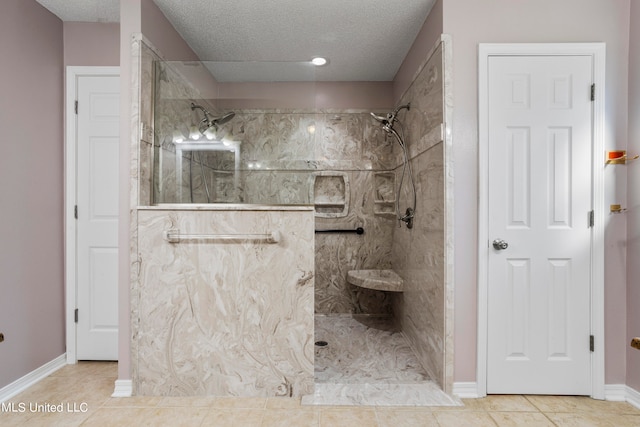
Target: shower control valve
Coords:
[[500, 244]]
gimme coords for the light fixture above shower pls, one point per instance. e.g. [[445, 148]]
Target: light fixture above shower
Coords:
[[319, 61]]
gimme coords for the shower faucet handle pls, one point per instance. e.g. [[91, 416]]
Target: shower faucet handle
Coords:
[[500, 244]]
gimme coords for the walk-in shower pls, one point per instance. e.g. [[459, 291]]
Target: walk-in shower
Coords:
[[388, 123], [286, 164]]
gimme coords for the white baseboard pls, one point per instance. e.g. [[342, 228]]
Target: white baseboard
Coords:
[[622, 393], [615, 392], [633, 397], [466, 390], [123, 388], [612, 392], [23, 383]]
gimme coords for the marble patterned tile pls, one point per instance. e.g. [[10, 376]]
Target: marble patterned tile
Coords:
[[426, 393], [369, 362], [336, 254], [447, 73], [363, 351], [419, 254], [212, 319], [418, 257]]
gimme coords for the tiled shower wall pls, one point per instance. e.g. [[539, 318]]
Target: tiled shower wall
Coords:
[[224, 319], [418, 255], [291, 157], [316, 146]]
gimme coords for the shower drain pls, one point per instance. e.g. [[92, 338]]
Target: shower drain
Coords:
[[322, 343]]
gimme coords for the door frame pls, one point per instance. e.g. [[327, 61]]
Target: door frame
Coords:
[[597, 52], [70, 198]]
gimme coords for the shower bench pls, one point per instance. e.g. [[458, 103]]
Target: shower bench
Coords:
[[379, 280]]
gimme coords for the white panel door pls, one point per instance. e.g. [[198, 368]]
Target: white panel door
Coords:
[[97, 224], [540, 139]]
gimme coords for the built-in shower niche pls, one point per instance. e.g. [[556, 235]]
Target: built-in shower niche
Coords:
[[385, 195], [331, 194]]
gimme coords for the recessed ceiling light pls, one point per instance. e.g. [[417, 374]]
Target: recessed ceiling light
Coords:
[[319, 61]]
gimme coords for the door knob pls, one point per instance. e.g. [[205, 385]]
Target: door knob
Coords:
[[500, 244]]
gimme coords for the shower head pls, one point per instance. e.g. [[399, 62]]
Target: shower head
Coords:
[[207, 122], [388, 121], [224, 119]]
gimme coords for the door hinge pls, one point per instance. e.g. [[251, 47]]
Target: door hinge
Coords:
[[591, 219], [592, 345], [75, 211], [75, 315], [76, 107], [593, 92]]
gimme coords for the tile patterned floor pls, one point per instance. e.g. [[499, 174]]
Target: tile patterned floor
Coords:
[[367, 360], [87, 386]]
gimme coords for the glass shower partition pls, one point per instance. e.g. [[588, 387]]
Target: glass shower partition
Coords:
[[232, 133], [224, 250]]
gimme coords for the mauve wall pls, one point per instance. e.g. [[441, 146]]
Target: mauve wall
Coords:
[[163, 35], [31, 189], [470, 22], [633, 201], [429, 34], [91, 44]]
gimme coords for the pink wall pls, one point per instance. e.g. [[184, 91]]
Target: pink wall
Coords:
[[427, 37], [31, 189], [91, 44], [470, 22], [163, 35], [633, 201]]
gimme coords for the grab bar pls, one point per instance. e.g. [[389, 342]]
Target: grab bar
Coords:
[[358, 230], [174, 236]]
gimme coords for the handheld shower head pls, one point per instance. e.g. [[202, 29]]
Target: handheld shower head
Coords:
[[388, 121]]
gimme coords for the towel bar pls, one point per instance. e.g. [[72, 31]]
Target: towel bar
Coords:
[[174, 236]]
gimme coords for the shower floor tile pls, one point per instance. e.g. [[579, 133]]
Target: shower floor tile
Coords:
[[367, 361], [363, 350]]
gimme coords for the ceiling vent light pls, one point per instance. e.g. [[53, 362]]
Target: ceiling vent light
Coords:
[[319, 61]]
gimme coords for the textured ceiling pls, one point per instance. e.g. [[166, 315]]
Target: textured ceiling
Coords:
[[364, 40], [84, 10]]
